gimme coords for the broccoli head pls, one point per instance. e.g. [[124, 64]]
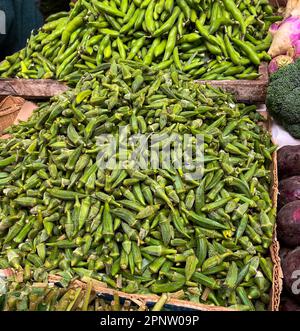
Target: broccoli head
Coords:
[[293, 129], [291, 107], [283, 98]]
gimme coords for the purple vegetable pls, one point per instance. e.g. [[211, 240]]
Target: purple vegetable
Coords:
[[288, 304], [279, 62], [296, 51], [288, 160], [289, 190], [284, 251], [274, 27], [286, 37], [294, 25], [288, 224], [291, 273]]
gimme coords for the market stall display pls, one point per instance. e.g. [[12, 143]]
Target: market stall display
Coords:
[[142, 231], [210, 242], [205, 39]]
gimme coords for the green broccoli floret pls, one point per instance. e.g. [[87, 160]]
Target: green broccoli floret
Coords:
[[293, 129], [291, 107], [289, 70], [283, 98]]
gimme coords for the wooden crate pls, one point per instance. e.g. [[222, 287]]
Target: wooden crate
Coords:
[[252, 91], [249, 91], [31, 89]]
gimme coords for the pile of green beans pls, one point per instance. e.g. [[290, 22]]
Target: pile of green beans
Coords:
[[44, 297], [141, 231], [206, 39]]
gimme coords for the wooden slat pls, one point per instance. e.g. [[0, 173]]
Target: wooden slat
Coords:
[[250, 91], [31, 88]]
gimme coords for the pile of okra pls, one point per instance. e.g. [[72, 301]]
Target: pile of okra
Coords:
[[141, 230], [46, 297], [206, 39]]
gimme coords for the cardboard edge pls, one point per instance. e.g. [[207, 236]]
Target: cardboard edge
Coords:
[[275, 247], [277, 283]]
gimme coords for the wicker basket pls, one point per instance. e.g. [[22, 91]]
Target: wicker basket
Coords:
[[9, 110]]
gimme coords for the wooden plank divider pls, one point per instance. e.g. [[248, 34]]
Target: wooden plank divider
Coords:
[[252, 91]]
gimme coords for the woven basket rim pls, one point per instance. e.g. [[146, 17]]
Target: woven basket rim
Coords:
[[9, 111], [18, 101], [10, 105]]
